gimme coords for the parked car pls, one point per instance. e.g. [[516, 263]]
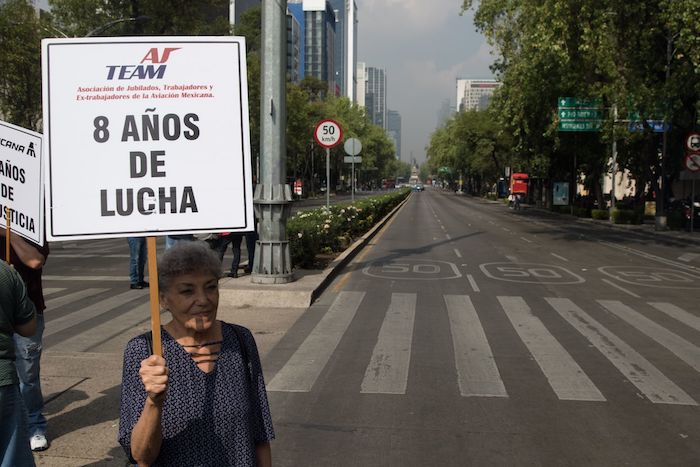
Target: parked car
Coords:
[[680, 211]]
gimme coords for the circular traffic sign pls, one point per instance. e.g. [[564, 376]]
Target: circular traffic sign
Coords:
[[352, 146], [328, 133], [692, 162], [692, 142]]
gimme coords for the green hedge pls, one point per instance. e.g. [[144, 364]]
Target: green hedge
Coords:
[[600, 214], [334, 228], [627, 216]]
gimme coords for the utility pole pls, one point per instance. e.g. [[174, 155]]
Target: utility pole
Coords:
[[272, 263]]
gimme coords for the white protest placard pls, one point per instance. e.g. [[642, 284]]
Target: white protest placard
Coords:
[[146, 136], [22, 181]]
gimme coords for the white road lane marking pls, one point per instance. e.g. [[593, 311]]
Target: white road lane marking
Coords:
[[448, 236], [680, 347], [688, 257], [459, 255], [638, 370], [472, 283], [526, 240], [52, 290], [124, 278], [646, 255], [477, 373], [679, 314], [69, 255], [94, 337], [512, 259], [618, 287], [560, 257], [301, 371], [71, 297], [387, 372], [565, 376], [85, 313]]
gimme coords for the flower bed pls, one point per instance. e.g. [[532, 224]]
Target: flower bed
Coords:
[[332, 229]]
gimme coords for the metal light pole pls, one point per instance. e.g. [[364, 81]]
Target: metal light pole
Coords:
[[106, 26], [272, 263], [660, 218], [614, 165]]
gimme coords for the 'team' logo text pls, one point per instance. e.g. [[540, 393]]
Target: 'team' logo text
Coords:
[[155, 70]]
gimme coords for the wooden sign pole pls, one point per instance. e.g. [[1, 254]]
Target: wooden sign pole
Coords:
[[153, 288], [7, 236]]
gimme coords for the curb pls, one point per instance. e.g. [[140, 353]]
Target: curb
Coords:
[[306, 287], [331, 271]]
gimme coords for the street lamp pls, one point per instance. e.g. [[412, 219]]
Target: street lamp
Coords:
[[660, 218], [104, 27]]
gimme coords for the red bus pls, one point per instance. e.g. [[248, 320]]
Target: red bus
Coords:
[[519, 183]]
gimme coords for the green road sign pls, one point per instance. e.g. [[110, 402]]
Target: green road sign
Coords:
[[575, 102], [580, 114], [591, 125]]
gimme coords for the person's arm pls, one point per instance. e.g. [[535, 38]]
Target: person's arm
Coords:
[[27, 253], [263, 454], [147, 436], [27, 329]]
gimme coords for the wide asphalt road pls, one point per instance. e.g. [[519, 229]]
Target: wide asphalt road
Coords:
[[468, 334]]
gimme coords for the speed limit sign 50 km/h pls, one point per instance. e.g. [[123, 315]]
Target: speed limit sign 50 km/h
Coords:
[[328, 133]]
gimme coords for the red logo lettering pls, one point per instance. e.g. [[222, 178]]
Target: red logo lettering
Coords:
[[152, 55]]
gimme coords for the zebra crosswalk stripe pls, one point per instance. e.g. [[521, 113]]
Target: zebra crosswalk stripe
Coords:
[[565, 376], [52, 290], [679, 314], [387, 372], [638, 370], [680, 347], [70, 298], [477, 373], [82, 314], [301, 371], [88, 340]]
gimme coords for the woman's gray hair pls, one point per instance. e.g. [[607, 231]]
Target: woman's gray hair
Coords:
[[187, 258]]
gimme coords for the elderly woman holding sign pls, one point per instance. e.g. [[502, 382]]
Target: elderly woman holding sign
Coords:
[[204, 401]]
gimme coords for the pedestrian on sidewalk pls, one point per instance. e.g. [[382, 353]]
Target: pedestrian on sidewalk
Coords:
[[172, 240], [251, 238], [212, 412], [28, 259], [235, 239], [17, 316], [137, 262]]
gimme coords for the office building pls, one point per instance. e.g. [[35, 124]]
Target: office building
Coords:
[[295, 43], [394, 130], [346, 47], [375, 96], [475, 94], [361, 74], [444, 113], [319, 42]]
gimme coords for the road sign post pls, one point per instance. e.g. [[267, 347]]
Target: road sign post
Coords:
[[352, 147], [328, 134], [579, 115]]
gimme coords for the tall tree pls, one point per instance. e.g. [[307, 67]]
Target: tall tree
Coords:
[[21, 31]]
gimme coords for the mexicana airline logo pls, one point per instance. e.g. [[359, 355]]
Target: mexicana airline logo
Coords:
[[144, 70]]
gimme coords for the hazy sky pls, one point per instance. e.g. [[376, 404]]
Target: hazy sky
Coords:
[[424, 46]]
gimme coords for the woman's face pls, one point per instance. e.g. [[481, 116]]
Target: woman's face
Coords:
[[192, 300]]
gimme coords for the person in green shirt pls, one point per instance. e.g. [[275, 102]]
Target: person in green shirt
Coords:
[[17, 315]]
